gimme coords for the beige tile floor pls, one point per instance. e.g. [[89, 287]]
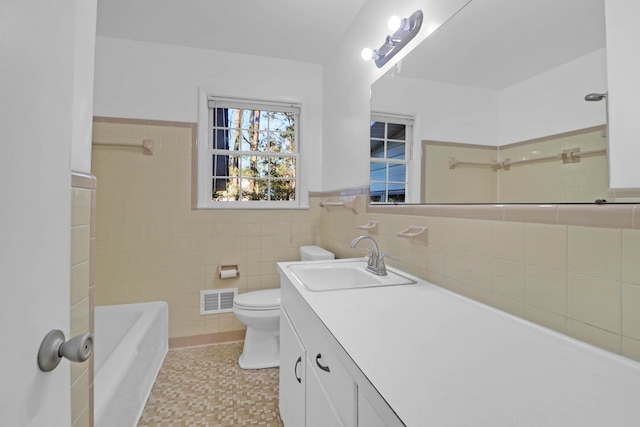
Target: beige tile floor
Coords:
[[204, 386]]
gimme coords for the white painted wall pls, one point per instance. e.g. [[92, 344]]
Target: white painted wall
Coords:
[[553, 102], [444, 112], [347, 80], [39, 64], [549, 103], [623, 62], [160, 82]]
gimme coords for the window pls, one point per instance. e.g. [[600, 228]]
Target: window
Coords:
[[390, 157], [251, 156]]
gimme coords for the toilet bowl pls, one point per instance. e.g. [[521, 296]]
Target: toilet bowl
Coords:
[[260, 312]]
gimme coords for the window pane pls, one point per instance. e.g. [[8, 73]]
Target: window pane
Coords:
[[257, 166], [247, 119], [378, 191], [396, 131], [234, 117], [220, 165], [397, 192], [232, 166], [263, 166], [283, 189], [377, 149], [220, 133], [218, 114], [279, 121], [263, 120], [397, 172], [225, 189], [377, 130], [378, 171], [283, 167], [235, 139], [220, 185], [378, 187], [248, 141], [281, 142], [255, 189], [396, 150], [263, 141], [223, 117]]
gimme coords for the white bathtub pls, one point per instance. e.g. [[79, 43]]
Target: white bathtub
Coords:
[[130, 342]]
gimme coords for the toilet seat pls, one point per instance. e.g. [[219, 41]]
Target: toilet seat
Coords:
[[267, 299]]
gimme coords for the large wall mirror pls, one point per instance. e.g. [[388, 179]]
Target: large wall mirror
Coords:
[[497, 95]]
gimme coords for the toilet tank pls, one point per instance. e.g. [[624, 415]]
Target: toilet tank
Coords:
[[315, 253]]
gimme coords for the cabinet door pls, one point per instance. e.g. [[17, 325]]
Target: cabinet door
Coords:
[[331, 391], [321, 411], [292, 377], [373, 411], [367, 416]]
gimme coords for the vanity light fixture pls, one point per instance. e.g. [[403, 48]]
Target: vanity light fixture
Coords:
[[403, 31], [394, 23]]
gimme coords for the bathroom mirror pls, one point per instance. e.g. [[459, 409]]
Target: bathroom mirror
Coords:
[[497, 95]]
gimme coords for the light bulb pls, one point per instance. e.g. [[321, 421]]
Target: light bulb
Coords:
[[366, 54], [394, 23]]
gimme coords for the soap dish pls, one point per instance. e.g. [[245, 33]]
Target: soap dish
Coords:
[[371, 227], [415, 234]]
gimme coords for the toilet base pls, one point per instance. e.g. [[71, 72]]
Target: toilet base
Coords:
[[261, 349]]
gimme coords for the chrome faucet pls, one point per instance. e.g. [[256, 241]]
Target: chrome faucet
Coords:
[[375, 264]]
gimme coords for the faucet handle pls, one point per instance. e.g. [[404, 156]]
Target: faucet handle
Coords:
[[372, 254], [381, 267], [372, 258]]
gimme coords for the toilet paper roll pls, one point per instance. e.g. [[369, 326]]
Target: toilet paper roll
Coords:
[[228, 274]]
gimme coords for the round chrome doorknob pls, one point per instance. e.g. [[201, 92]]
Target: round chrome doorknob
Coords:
[[53, 348]]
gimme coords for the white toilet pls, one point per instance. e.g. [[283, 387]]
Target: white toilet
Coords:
[[260, 311]]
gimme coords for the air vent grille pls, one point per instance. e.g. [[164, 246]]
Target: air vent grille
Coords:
[[217, 301]]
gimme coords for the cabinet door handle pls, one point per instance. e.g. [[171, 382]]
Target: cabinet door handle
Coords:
[[324, 368], [295, 369]]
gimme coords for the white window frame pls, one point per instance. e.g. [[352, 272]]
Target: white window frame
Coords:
[[408, 121], [205, 152]]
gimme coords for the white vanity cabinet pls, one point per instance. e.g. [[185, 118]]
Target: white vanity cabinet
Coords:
[[401, 354], [292, 368], [320, 385]]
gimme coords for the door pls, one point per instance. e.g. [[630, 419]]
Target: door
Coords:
[[38, 68]]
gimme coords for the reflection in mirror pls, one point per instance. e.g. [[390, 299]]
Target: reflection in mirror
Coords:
[[498, 97], [389, 146]]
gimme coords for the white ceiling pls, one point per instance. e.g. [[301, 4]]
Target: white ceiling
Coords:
[[301, 30], [494, 44]]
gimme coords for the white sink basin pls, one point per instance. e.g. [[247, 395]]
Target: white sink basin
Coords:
[[336, 275]]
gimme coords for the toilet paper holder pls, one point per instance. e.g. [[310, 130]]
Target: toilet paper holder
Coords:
[[228, 271]]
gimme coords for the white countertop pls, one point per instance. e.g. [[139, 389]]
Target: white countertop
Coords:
[[440, 359]]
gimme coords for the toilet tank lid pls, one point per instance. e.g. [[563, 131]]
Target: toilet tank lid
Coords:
[[264, 299], [315, 253]]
